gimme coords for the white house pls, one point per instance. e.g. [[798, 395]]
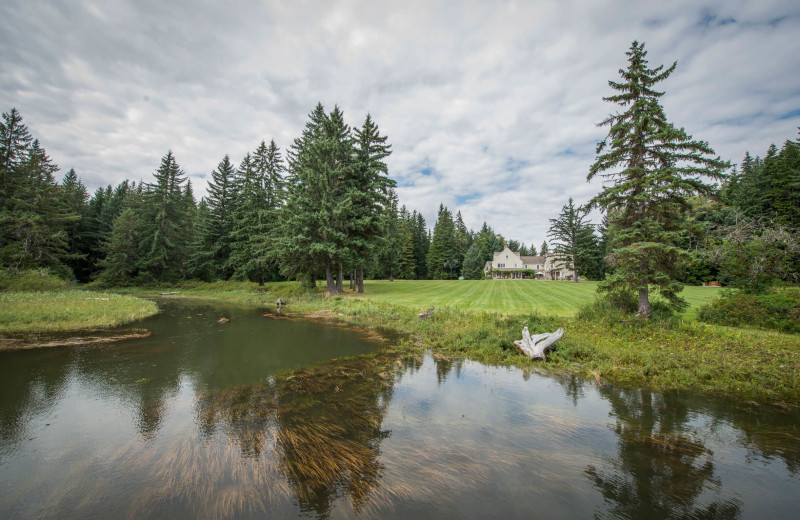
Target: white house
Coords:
[[508, 264]]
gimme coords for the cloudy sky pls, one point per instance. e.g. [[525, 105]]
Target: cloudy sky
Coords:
[[490, 106]]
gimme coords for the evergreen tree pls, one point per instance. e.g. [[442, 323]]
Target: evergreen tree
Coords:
[[34, 218], [421, 246], [657, 167], [544, 250], [316, 229], [407, 262], [393, 246], [164, 222], [121, 262], [15, 140], [442, 256], [367, 197], [463, 239], [570, 235], [215, 225], [295, 244], [472, 268], [81, 230]]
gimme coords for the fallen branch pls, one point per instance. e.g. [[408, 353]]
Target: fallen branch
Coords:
[[534, 346]]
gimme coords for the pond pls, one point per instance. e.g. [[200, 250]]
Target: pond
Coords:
[[261, 417]]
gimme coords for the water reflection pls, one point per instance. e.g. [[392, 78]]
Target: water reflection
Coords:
[[660, 471], [322, 425], [214, 420]]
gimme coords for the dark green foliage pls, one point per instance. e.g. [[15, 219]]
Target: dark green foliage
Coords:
[[572, 237], [34, 214], [472, 268], [215, 224], [753, 253], [422, 244], [777, 309], [544, 249], [80, 232], [443, 254], [165, 220], [654, 168], [259, 195], [489, 242], [768, 188]]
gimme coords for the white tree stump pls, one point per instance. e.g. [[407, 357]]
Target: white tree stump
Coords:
[[534, 346]]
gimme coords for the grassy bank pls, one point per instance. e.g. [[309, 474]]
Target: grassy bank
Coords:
[[687, 355], [68, 310], [506, 296]]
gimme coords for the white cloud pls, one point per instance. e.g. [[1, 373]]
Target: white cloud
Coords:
[[490, 106]]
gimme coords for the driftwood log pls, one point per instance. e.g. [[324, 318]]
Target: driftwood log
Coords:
[[534, 346]]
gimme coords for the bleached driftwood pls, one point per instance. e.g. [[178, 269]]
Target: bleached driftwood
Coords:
[[534, 346]]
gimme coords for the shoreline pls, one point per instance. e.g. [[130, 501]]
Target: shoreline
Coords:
[[687, 356]]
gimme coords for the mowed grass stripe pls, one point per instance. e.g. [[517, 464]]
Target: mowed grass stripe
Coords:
[[505, 296]]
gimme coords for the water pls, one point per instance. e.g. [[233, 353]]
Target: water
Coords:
[[204, 419]]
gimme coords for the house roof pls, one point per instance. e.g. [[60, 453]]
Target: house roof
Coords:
[[533, 259]]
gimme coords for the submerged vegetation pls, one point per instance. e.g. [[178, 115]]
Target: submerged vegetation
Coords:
[[665, 354]]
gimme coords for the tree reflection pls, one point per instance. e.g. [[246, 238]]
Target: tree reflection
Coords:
[[660, 471], [322, 425], [444, 365]]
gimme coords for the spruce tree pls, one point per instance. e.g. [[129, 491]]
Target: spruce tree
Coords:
[[81, 231], [215, 225], [544, 250], [294, 244], [367, 196], [653, 168], [472, 268], [164, 219], [421, 246], [442, 256], [570, 235]]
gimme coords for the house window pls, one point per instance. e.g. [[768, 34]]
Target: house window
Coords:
[[501, 265], [526, 266], [506, 257], [515, 265]]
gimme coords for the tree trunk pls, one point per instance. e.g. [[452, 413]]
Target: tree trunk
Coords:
[[574, 270], [391, 274], [534, 346], [340, 281], [644, 303], [352, 280], [331, 282], [360, 279]]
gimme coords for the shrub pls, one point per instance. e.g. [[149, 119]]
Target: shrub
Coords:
[[32, 280], [778, 309]]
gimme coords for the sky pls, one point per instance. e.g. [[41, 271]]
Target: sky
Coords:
[[491, 107]]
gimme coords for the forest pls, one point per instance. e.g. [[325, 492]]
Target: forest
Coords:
[[327, 210]]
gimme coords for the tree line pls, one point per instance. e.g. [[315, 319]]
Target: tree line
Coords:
[[328, 211]]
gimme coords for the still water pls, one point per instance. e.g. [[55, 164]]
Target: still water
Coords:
[[256, 418]]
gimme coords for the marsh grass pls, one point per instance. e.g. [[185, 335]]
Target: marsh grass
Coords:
[[671, 354], [68, 310]]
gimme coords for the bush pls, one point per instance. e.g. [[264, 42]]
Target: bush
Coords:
[[778, 309], [33, 280], [621, 308]]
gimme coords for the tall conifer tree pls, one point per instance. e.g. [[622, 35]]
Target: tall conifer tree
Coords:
[[653, 168]]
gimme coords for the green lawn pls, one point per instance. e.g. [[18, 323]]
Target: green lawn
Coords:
[[506, 296]]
